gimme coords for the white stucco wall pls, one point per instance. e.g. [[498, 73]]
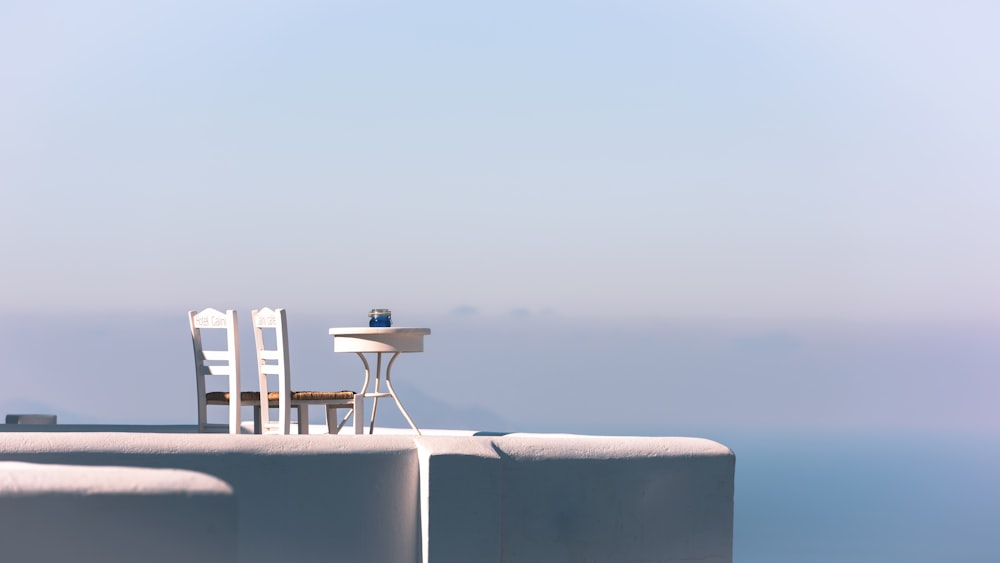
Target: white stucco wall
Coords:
[[622, 499], [398, 498], [72, 513]]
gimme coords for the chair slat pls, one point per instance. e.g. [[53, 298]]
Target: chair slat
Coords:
[[216, 370], [215, 355]]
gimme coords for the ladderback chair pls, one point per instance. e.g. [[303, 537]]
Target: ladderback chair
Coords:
[[223, 362], [274, 361]]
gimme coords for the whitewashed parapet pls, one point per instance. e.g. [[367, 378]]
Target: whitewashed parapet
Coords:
[[300, 498], [114, 515], [460, 493], [621, 499], [565, 499], [439, 499], [31, 419]]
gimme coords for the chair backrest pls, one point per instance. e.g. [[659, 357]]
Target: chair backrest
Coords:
[[216, 361], [273, 361]]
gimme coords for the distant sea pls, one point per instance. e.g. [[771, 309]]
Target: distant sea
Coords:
[[860, 497]]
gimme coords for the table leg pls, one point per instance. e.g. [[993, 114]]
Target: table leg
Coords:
[[378, 388], [364, 391], [378, 379], [388, 384]]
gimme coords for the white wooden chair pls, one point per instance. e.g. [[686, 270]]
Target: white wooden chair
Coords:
[[275, 362], [217, 362]]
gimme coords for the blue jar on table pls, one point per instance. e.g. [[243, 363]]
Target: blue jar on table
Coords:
[[380, 318]]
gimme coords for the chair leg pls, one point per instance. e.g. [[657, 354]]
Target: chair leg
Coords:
[[258, 427], [332, 420], [303, 418], [202, 411], [359, 414]]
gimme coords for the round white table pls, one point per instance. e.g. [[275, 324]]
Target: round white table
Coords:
[[378, 341]]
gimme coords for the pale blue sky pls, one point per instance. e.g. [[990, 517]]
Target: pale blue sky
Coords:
[[694, 160]]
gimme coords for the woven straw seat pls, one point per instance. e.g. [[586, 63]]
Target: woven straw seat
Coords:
[[253, 397], [217, 397], [315, 396]]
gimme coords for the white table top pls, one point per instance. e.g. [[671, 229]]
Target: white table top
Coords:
[[378, 330], [378, 339]]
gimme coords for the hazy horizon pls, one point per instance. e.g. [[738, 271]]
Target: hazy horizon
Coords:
[[643, 374]]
